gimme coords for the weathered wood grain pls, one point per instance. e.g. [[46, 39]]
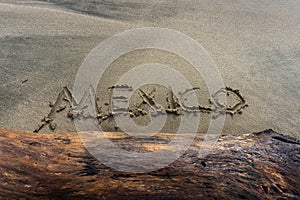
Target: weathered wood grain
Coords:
[[262, 165]]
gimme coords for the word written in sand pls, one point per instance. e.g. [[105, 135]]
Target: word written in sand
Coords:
[[88, 105]]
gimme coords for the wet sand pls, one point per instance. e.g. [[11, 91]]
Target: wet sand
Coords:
[[255, 45]]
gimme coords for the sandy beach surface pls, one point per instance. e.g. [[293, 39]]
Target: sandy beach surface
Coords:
[[255, 44]]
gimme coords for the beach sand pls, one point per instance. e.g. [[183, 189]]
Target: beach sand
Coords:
[[255, 45]]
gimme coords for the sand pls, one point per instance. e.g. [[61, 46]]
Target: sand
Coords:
[[255, 45]]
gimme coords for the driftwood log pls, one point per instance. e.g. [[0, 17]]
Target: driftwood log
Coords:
[[263, 165]]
